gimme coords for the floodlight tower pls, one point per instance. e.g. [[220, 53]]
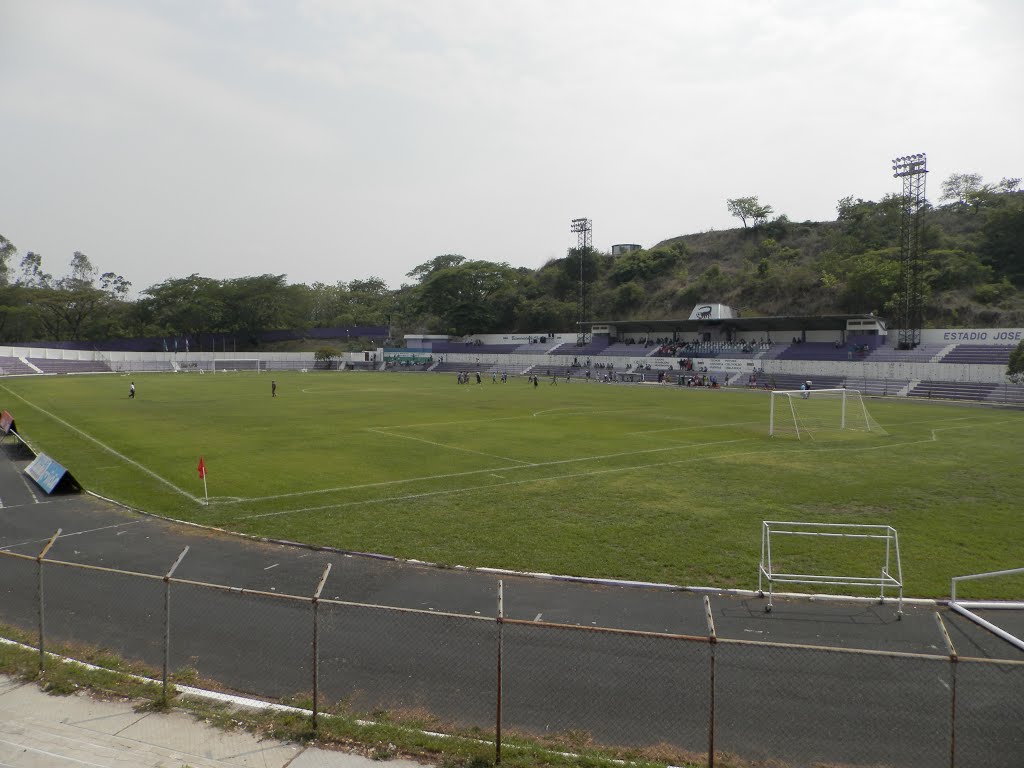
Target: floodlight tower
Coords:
[[583, 228], [909, 295]]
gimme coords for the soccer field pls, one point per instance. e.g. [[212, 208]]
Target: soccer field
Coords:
[[651, 483]]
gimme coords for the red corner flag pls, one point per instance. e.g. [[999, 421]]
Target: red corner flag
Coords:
[[202, 468]]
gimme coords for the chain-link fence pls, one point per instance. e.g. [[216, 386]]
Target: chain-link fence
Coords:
[[695, 700]]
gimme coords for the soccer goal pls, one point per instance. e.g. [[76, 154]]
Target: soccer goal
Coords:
[[237, 364], [967, 608], [806, 412], [878, 545]]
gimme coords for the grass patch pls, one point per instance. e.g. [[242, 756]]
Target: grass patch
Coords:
[[651, 483]]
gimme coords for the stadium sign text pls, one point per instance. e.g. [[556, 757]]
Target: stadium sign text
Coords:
[[1006, 335]]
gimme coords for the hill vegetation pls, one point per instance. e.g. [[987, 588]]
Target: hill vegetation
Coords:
[[973, 269]]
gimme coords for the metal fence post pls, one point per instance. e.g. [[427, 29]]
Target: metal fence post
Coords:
[[39, 598], [953, 658], [497, 714], [316, 637], [167, 618], [712, 642]]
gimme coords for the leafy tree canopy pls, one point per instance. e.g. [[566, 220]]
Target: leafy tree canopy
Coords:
[[749, 208]]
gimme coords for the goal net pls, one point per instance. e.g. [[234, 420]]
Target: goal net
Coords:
[[811, 411], [235, 365]]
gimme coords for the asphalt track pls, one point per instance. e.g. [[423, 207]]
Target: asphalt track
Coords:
[[777, 701]]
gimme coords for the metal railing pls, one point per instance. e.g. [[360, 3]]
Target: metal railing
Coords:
[[682, 699]]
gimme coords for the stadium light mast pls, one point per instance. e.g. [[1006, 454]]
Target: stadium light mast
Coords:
[[910, 298], [584, 229]]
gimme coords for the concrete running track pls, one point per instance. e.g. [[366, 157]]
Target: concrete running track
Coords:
[[771, 701]]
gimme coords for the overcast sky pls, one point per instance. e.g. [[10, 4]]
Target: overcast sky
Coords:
[[332, 140]]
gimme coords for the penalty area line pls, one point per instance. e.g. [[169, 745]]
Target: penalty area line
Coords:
[[524, 481], [490, 470]]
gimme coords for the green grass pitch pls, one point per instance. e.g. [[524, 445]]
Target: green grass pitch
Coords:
[[651, 483]]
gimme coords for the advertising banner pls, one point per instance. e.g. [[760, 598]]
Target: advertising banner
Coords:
[[46, 472]]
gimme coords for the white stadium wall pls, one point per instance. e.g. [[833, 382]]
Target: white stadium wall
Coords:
[[810, 368]]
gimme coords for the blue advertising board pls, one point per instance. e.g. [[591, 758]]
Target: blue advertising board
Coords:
[[46, 472]]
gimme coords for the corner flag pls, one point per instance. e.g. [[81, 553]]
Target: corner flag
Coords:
[[202, 476]]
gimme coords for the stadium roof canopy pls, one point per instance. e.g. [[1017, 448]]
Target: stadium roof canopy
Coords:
[[744, 324]]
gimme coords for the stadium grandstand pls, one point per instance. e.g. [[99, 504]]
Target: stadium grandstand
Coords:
[[714, 347]]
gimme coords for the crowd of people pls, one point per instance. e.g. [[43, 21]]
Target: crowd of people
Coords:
[[697, 348]]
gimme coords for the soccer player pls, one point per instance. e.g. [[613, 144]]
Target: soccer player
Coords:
[[273, 388], [131, 391]]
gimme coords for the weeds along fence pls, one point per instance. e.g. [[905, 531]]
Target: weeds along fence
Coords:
[[687, 700]]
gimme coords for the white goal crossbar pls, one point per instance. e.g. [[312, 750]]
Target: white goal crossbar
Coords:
[[891, 572], [233, 365], [964, 607], [802, 411]]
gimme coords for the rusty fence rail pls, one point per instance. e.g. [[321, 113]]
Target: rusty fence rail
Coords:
[[700, 700]]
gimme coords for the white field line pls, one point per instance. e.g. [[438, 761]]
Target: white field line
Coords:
[[105, 447], [489, 470], [63, 536], [519, 418], [448, 423], [933, 439], [447, 447], [29, 488], [693, 426], [574, 475], [925, 421], [451, 491]]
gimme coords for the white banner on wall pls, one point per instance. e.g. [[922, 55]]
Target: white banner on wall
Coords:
[[723, 364]]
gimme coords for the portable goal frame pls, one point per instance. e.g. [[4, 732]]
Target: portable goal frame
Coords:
[[963, 607], [887, 578]]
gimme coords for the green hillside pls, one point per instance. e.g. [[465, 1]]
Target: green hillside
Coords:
[[972, 267]]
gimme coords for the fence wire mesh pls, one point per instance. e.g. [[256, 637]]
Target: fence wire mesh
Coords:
[[437, 670], [804, 706], [251, 643], [572, 687], [128, 621], [18, 592], [581, 687], [989, 714]]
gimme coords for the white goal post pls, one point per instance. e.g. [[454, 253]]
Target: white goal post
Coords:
[[967, 608], [233, 365], [807, 411], [890, 573]]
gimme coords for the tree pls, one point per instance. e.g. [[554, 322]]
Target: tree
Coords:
[[326, 355], [871, 225], [1008, 185], [32, 275], [73, 307], [261, 302], [1002, 245], [1015, 370], [960, 187], [745, 208], [7, 254], [427, 268], [185, 305], [468, 297]]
